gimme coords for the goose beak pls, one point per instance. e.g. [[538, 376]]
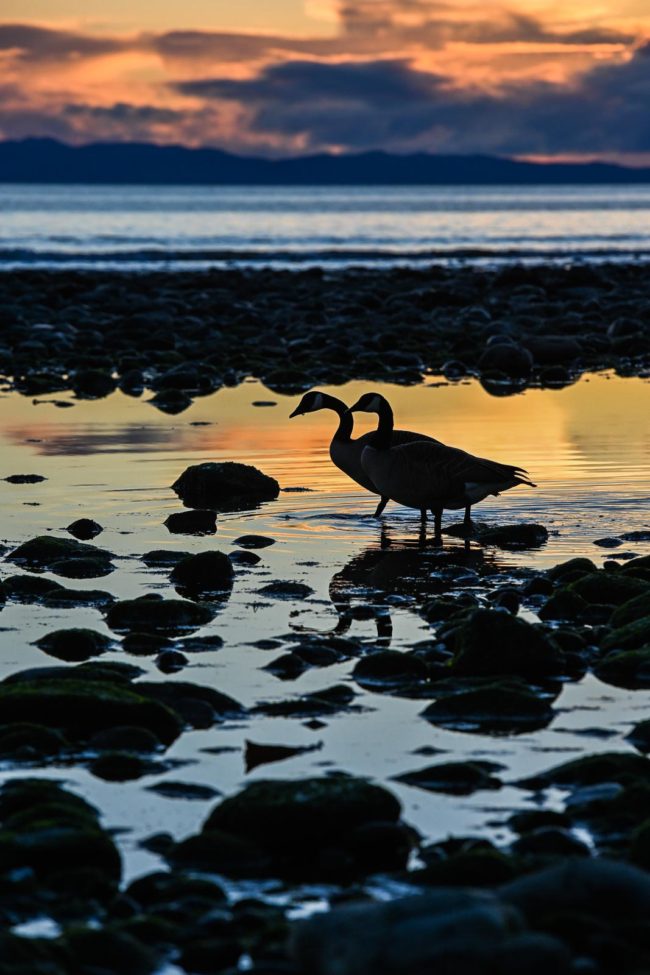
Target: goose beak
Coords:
[[356, 408], [297, 412]]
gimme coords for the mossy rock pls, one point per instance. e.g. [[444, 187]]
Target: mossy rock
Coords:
[[182, 697], [46, 550], [158, 615], [32, 796], [631, 611], [225, 486], [215, 851], [624, 768], [279, 815], [632, 636], [80, 707], [630, 668], [563, 605], [490, 642], [206, 572], [74, 645], [85, 568], [30, 589], [24, 742], [577, 567], [454, 778], [48, 849], [500, 708], [609, 588], [110, 951]]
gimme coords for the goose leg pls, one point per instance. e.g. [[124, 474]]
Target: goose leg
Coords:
[[468, 524], [380, 507], [437, 515]]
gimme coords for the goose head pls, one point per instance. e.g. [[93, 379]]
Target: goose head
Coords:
[[313, 401], [369, 403]]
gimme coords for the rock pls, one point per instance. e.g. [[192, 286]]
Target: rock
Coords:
[[222, 853], [225, 486], [551, 841], [595, 888], [610, 588], [632, 636], [121, 766], [631, 611], [637, 536], [173, 616], [82, 568], [489, 642], [92, 384], [183, 698], [207, 572], [30, 589], [109, 951], [262, 754], [573, 568], [198, 522], [144, 644], [183, 790], [253, 541], [74, 645], [302, 823], [507, 357], [498, 707], [608, 542], [30, 742], [171, 661], [563, 605], [390, 670], [620, 767], [163, 558], [282, 589], [171, 401], [47, 833], [551, 350], [244, 558], [81, 707], [84, 528], [48, 550], [629, 669], [125, 738], [442, 931], [454, 778], [640, 736], [66, 598], [24, 479]]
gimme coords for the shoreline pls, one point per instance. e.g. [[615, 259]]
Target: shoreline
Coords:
[[188, 333]]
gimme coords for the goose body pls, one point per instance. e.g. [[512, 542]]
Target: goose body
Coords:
[[429, 475], [346, 452]]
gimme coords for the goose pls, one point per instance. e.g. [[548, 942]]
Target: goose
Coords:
[[345, 452], [429, 475]]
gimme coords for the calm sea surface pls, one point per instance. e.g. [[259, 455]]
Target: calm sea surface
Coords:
[[137, 226]]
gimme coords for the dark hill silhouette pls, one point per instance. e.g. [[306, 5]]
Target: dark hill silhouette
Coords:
[[50, 161]]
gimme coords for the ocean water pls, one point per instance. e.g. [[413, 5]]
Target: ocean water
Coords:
[[182, 227]]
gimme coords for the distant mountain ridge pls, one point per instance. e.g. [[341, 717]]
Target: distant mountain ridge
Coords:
[[49, 161]]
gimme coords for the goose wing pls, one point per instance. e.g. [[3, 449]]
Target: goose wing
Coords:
[[453, 465]]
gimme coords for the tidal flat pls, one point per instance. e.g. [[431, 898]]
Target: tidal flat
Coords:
[[330, 714]]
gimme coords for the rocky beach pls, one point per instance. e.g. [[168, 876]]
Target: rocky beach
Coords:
[[246, 727]]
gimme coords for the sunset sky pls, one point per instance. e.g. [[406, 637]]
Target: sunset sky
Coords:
[[281, 77]]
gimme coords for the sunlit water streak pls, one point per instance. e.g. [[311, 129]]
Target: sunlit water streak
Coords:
[[195, 227], [587, 447]]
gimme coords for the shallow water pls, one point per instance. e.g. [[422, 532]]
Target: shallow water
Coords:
[[587, 447], [182, 227]]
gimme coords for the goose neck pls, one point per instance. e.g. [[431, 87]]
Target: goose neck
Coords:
[[384, 434]]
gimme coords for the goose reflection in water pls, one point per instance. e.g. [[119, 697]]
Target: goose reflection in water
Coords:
[[366, 587]]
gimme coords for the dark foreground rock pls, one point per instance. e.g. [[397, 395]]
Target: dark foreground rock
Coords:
[[148, 614], [49, 551], [326, 828], [225, 486]]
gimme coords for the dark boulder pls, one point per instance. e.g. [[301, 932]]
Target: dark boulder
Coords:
[[158, 615], [74, 645], [225, 486], [84, 528], [202, 521], [206, 572], [47, 550]]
